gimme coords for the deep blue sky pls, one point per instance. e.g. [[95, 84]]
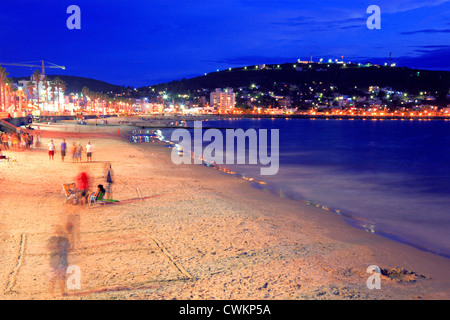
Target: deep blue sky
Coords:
[[143, 42]]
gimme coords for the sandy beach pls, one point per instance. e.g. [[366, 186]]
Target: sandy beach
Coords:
[[187, 232]]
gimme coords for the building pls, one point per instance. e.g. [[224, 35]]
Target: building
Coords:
[[223, 99], [202, 102], [50, 98], [285, 102]]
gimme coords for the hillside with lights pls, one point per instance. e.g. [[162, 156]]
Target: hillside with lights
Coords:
[[347, 78]]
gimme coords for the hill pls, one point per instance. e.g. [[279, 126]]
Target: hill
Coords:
[[344, 76], [75, 84]]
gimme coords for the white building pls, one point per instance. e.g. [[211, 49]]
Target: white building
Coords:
[[50, 99], [223, 99]]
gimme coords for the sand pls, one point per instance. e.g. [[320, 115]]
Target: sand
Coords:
[[187, 232]]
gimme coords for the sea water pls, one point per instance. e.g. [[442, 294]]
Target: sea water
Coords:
[[390, 177]]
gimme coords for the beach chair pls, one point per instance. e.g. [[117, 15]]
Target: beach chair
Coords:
[[71, 192], [96, 199]]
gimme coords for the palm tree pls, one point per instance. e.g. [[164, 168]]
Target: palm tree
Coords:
[[3, 75], [93, 98], [8, 87], [37, 78], [57, 81], [21, 95], [30, 88], [45, 83], [15, 94], [86, 93], [63, 86], [53, 89]]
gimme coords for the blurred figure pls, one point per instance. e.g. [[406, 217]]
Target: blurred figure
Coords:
[[37, 145], [31, 141], [15, 141], [59, 247], [79, 152], [109, 176], [5, 139], [73, 150], [82, 180], [22, 143], [71, 219]]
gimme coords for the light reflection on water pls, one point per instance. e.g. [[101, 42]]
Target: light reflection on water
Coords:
[[388, 177]]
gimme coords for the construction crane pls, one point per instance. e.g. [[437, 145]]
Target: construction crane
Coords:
[[52, 65]]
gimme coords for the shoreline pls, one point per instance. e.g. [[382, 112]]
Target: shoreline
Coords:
[[177, 117], [335, 220], [341, 216], [142, 124], [234, 241], [351, 219]]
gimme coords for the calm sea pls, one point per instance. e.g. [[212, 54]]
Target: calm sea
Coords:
[[390, 177]]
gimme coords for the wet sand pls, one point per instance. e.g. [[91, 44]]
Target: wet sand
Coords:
[[187, 232]]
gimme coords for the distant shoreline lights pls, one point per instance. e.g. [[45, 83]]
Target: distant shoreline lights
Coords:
[[257, 150]]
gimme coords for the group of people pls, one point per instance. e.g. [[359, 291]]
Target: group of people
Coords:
[[18, 141], [103, 191], [76, 150], [66, 238]]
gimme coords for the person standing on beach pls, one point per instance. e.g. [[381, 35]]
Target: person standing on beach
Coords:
[[73, 150], [23, 142], [27, 141], [5, 139], [89, 150], [51, 150], [63, 149], [14, 141], [30, 141], [79, 152], [59, 246], [37, 145], [109, 174]]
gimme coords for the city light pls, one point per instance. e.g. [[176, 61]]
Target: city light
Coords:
[[314, 99]]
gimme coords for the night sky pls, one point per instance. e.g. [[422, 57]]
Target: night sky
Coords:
[[142, 43]]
